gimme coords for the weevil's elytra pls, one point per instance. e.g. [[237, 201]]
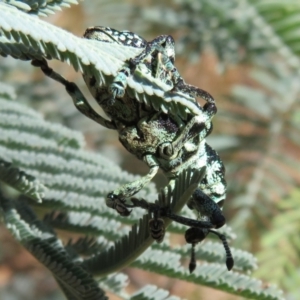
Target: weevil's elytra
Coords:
[[162, 140]]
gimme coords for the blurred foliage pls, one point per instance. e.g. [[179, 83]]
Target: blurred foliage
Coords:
[[257, 128], [280, 248]]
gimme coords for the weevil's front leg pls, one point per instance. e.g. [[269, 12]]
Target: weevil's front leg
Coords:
[[79, 100], [117, 198], [193, 91]]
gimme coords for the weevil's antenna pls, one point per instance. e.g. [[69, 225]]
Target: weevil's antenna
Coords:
[[229, 258]]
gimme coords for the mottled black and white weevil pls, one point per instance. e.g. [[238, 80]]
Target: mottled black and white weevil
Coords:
[[161, 140]]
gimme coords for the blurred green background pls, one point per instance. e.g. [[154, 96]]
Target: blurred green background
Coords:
[[244, 53]]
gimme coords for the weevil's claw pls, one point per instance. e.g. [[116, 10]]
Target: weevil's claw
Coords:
[[229, 263], [114, 201], [192, 267]]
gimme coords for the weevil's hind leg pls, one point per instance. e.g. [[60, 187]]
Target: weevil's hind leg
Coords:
[[192, 264], [210, 212], [187, 221], [194, 236], [117, 198], [229, 258], [79, 100], [207, 208]]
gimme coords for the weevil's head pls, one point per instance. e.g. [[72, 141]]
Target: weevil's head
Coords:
[[110, 35]]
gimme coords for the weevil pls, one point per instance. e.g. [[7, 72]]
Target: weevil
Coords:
[[160, 139]]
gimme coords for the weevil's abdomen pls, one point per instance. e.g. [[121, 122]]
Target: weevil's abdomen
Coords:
[[213, 184]]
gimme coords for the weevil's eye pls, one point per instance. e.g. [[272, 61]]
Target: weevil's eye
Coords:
[[166, 151]]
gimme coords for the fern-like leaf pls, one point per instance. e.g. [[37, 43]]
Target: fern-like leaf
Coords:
[[21, 181], [44, 245], [40, 7], [212, 275], [99, 59], [281, 246], [77, 183], [138, 240], [150, 292]]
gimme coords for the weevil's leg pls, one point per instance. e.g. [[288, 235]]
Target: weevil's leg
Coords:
[[211, 213], [229, 258], [79, 100], [193, 91], [117, 88], [166, 63], [196, 235], [198, 126], [163, 44], [142, 203], [117, 198], [187, 221], [207, 207], [181, 86]]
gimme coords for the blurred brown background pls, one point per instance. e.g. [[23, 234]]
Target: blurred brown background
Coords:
[[256, 132]]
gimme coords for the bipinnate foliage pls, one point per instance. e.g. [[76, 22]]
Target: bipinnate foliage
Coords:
[[236, 30], [258, 123], [35, 154], [41, 7], [77, 183], [282, 244], [21, 40]]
